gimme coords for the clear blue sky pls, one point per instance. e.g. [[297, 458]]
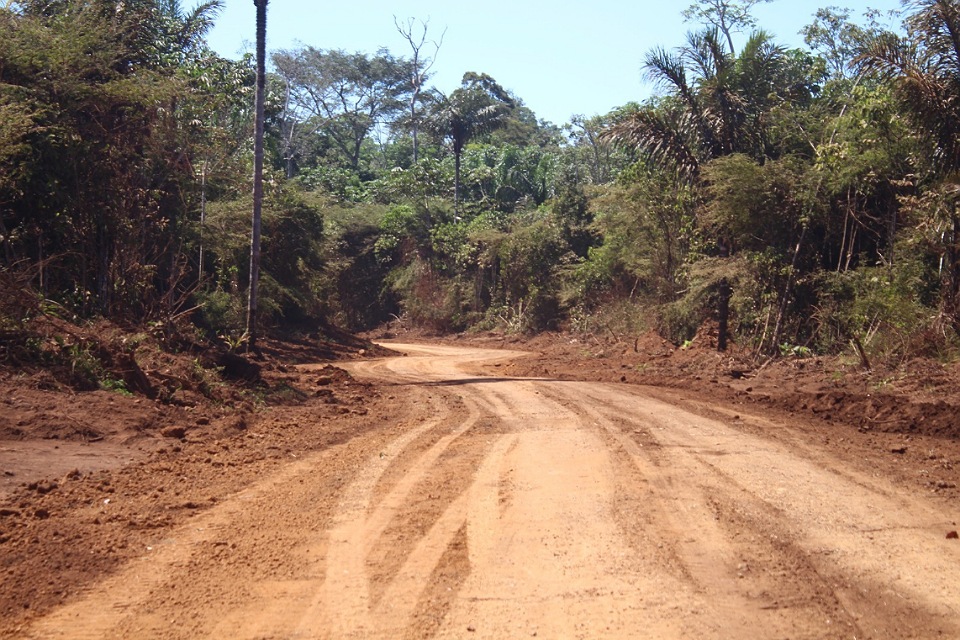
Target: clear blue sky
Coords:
[[565, 58]]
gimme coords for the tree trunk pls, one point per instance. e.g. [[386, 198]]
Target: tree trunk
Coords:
[[415, 123], [723, 304], [257, 175], [103, 272], [7, 248], [456, 182], [953, 285], [203, 218]]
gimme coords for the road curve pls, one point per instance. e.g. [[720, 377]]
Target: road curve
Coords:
[[516, 508]]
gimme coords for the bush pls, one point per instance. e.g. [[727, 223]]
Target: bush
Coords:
[[292, 260], [880, 307], [220, 312]]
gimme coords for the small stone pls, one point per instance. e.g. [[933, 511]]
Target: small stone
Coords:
[[953, 535], [898, 450]]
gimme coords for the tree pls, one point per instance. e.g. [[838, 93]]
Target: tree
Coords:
[[642, 220], [837, 40], [179, 35], [16, 125], [504, 176], [478, 106], [257, 173], [98, 197], [591, 150], [344, 96], [716, 103], [727, 16], [420, 66]]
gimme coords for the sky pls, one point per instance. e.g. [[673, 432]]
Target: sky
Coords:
[[568, 58]]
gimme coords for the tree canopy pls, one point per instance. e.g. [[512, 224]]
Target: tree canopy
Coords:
[[799, 197]]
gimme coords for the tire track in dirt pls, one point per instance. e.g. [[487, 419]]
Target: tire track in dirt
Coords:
[[246, 568], [345, 600], [730, 567], [855, 550], [546, 556], [524, 519], [428, 523]]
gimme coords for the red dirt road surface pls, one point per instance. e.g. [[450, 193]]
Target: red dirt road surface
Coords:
[[472, 506]]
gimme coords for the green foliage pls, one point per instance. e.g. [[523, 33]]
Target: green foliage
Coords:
[[221, 312], [508, 177], [428, 299], [838, 40], [343, 185], [825, 200], [343, 96], [645, 225], [428, 179], [529, 259], [403, 230], [354, 275], [760, 206], [292, 262], [117, 386], [879, 306], [109, 100]]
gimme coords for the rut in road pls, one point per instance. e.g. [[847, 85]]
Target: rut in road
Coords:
[[505, 508]]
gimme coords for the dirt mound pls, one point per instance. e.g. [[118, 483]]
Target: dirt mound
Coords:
[[652, 345], [97, 395]]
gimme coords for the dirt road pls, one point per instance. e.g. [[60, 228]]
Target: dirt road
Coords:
[[490, 507]]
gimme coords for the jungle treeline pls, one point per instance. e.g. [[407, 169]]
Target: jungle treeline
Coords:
[[800, 200]]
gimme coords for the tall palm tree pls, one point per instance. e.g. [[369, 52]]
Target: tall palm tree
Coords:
[[925, 67], [257, 174], [477, 107]]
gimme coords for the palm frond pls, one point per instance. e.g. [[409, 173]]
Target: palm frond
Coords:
[[666, 70], [664, 137]]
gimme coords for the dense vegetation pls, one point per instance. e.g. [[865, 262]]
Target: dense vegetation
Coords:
[[803, 199]]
